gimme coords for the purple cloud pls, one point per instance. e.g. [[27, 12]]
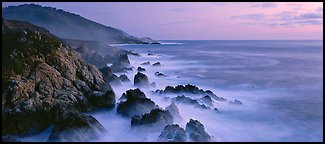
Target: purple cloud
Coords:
[[264, 5]]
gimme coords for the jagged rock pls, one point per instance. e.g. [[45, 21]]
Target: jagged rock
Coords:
[[39, 75], [122, 64], [196, 131], [235, 102], [207, 100], [172, 133], [75, 127], [136, 104], [140, 69], [156, 64], [102, 100], [189, 89], [135, 120], [187, 100], [109, 76], [124, 78], [141, 80], [114, 80], [156, 117], [173, 109], [160, 74], [145, 63]]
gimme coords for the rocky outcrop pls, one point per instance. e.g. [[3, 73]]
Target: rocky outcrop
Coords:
[[196, 131], [207, 100], [189, 89], [140, 69], [121, 64], [136, 103], [141, 80], [109, 76], [173, 109], [156, 64], [172, 133], [187, 100], [72, 127], [124, 78], [156, 118], [40, 74]]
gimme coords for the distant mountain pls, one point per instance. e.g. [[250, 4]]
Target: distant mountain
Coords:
[[67, 25]]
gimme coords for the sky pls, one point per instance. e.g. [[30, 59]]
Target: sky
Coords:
[[204, 20]]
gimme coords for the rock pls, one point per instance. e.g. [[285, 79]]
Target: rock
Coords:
[[46, 76], [196, 131], [149, 54], [136, 104], [135, 120], [145, 63], [114, 80], [10, 139], [141, 69], [153, 84], [156, 64], [75, 127], [156, 117], [172, 133], [173, 109], [106, 71], [124, 78], [235, 102], [109, 76], [207, 100], [160, 74], [187, 100], [140, 80], [101, 100]]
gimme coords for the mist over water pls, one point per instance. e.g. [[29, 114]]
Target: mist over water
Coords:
[[279, 82]]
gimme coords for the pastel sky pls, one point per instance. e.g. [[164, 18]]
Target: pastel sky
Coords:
[[204, 20]]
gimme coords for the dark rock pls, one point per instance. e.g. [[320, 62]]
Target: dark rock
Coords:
[[196, 131], [160, 74], [135, 120], [141, 80], [102, 100], [106, 71], [173, 109], [109, 76], [172, 133], [124, 78], [114, 80], [76, 127], [153, 84], [156, 117], [150, 54], [10, 139], [187, 100], [156, 64], [207, 100], [136, 104], [141, 69], [145, 63], [235, 102]]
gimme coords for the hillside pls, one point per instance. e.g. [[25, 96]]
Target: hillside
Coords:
[[67, 25]]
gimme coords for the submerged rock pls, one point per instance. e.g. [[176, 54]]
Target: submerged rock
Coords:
[[172, 133], [145, 63], [187, 100], [207, 100], [156, 117], [156, 64], [196, 131], [140, 69], [141, 80], [153, 84], [124, 78], [160, 74], [136, 104], [235, 102], [76, 127]]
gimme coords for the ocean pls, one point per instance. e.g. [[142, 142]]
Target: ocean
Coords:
[[280, 83]]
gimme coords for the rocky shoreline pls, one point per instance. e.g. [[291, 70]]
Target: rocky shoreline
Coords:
[[53, 87]]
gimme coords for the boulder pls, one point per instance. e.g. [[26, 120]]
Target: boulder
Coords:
[[72, 127], [207, 100], [136, 103], [140, 69], [141, 80], [172, 133], [156, 117], [124, 78], [196, 131], [101, 100], [156, 64]]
